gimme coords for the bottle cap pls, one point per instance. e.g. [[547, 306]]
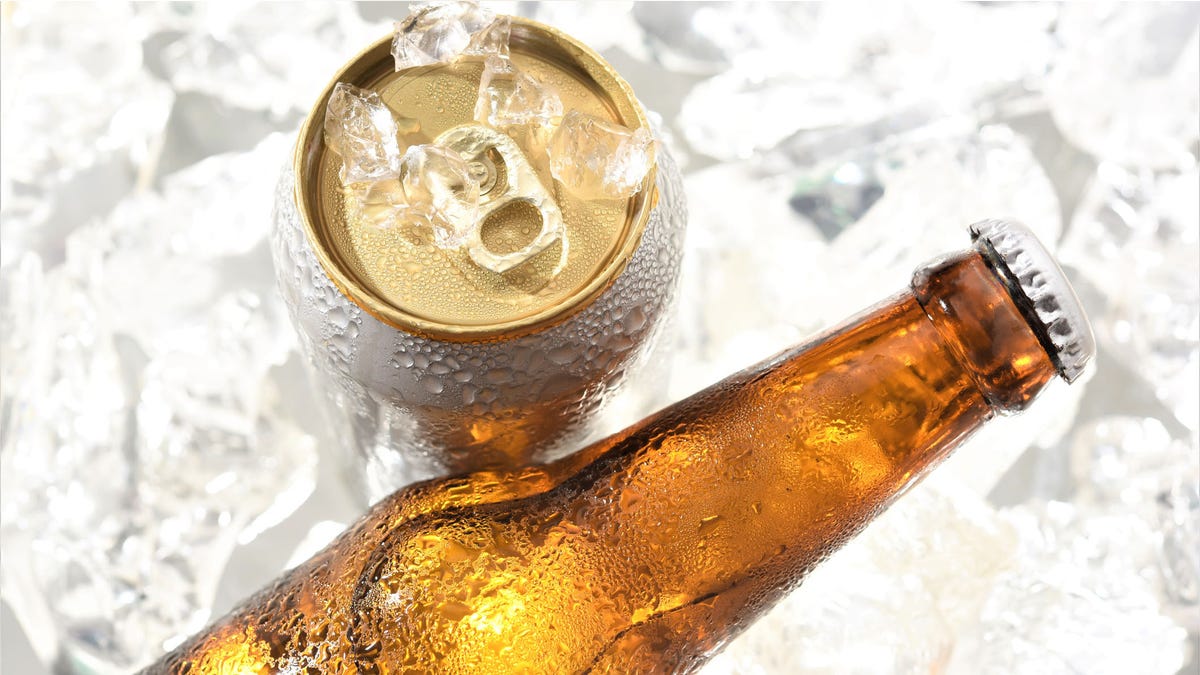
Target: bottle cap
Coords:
[[1041, 290]]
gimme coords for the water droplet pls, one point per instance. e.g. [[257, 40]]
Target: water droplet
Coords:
[[433, 385], [707, 525]]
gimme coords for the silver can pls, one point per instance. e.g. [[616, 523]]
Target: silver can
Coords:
[[428, 364]]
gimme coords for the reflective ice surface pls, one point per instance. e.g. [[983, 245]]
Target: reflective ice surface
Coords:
[[361, 129], [157, 431], [596, 159], [439, 190], [509, 97], [440, 32]]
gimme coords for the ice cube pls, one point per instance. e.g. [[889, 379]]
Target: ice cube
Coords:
[[1123, 460], [511, 97], [599, 24], [441, 32], [1119, 66], [379, 203], [440, 193], [177, 447], [256, 55], [360, 128], [782, 68], [596, 159], [1077, 603], [1145, 224], [1179, 556], [894, 599]]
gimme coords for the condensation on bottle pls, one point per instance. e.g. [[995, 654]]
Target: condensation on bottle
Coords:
[[648, 551]]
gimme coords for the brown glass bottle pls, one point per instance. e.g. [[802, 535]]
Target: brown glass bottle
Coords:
[[649, 550]]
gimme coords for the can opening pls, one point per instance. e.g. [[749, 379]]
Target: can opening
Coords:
[[414, 286]]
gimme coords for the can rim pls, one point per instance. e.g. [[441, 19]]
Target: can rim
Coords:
[[311, 135]]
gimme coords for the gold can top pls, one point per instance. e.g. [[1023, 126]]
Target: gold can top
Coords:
[[408, 282]]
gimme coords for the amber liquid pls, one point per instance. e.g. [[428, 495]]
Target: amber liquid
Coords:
[[648, 551]]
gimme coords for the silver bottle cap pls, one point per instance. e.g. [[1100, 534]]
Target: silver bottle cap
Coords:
[[1041, 290]]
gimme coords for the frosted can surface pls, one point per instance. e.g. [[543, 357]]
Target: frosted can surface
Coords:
[[428, 363]]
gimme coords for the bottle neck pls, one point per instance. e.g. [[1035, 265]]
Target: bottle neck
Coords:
[[981, 324]]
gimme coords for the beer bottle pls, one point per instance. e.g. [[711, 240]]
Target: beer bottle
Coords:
[[647, 551]]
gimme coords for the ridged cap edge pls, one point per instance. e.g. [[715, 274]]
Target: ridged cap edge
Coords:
[[1031, 271]]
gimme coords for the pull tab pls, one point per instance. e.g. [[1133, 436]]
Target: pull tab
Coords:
[[515, 181]]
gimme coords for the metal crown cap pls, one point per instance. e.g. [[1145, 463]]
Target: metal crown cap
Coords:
[[1044, 293]]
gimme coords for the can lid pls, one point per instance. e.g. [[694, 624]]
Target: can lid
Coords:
[[1042, 291], [413, 285]]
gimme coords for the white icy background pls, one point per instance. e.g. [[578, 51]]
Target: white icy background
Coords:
[[159, 457]]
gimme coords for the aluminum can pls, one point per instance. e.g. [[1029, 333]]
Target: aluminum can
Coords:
[[429, 365]]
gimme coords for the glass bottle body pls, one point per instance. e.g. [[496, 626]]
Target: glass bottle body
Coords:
[[647, 551]]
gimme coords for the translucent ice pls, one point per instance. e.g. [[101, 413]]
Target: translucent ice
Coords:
[[712, 113], [360, 128], [599, 24], [75, 86], [1148, 226], [600, 160], [257, 56], [234, 224], [893, 600], [1124, 460], [880, 207], [1077, 602], [441, 193], [1179, 557], [709, 37], [380, 203], [77, 101], [1124, 85], [153, 442], [1132, 466], [511, 97], [795, 67], [162, 249], [441, 32]]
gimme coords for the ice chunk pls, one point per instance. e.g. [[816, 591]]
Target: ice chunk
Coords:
[[709, 37], [257, 56], [360, 128], [83, 120], [1179, 557], [782, 68], [1148, 226], [379, 203], [441, 32], [893, 600], [520, 105], [511, 97], [596, 159], [835, 198], [1119, 65], [1131, 465], [157, 339], [240, 219], [713, 114], [599, 24], [1124, 460], [1077, 603], [440, 193], [891, 204]]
